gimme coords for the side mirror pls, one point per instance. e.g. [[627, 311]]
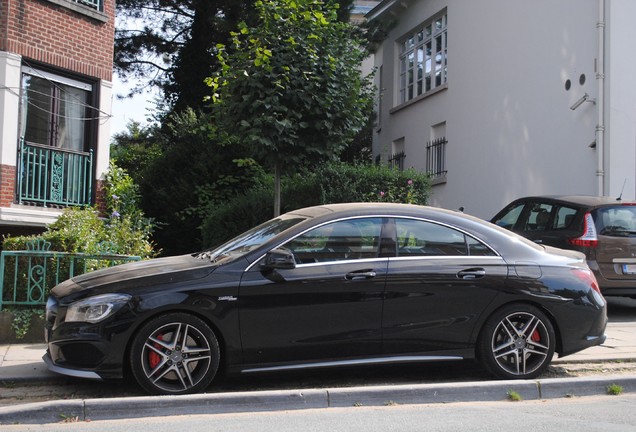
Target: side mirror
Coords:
[[279, 259]]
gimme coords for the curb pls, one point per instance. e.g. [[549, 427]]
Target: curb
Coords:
[[156, 406]]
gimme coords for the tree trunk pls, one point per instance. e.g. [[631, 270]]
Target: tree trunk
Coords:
[[277, 170]]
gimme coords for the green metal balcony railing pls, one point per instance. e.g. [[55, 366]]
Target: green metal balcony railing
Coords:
[[27, 276], [52, 176]]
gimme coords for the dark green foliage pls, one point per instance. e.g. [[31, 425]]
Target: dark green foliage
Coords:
[[195, 171], [329, 183], [238, 215], [136, 149]]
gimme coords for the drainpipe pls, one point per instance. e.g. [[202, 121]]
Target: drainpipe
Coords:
[[600, 99]]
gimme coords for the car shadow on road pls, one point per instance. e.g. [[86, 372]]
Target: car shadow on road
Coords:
[[621, 309]]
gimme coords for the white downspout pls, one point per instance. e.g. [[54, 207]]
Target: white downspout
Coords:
[[600, 99]]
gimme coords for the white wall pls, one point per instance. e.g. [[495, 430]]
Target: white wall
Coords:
[[509, 127], [620, 115], [9, 106], [103, 133]]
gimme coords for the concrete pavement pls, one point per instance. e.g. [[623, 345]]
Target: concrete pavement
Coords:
[[23, 363]]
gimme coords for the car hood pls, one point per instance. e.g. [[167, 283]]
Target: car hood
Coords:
[[138, 274]]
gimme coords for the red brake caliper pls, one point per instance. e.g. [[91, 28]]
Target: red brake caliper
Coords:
[[153, 357], [536, 337]]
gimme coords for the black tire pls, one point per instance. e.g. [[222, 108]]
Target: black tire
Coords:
[[174, 354], [517, 342]]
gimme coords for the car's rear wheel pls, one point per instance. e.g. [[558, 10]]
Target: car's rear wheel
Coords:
[[176, 353], [517, 342]]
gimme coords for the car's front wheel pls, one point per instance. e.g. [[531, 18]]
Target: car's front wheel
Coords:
[[517, 342], [176, 353]]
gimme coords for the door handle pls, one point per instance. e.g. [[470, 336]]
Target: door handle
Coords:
[[365, 274], [475, 273]]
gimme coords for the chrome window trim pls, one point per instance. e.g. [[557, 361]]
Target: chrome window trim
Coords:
[[383, 216], [453, 228], [479, 258], [315, 227]]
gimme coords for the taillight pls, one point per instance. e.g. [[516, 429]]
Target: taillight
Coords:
[[589, 237], [588, 277]]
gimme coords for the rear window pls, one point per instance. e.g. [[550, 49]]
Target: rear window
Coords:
[[618, 221]]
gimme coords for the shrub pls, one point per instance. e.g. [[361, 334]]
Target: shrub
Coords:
[[81, 230], [329, 183], [369, 183]]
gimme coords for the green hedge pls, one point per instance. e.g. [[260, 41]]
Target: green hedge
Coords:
[[330, 183]]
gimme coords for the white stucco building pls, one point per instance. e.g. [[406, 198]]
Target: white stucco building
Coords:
[[490, 96]]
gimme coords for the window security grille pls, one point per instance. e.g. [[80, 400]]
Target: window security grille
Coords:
[[396, 161], [436, 157]]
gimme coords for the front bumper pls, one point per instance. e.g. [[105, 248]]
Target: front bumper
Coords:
[[77, 373]]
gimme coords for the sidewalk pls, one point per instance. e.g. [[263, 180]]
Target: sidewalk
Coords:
[[23, 363]]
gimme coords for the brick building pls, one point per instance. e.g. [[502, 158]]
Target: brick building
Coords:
[[56, 60]]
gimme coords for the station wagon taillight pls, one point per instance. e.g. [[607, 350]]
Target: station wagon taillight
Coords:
[[589, 237]]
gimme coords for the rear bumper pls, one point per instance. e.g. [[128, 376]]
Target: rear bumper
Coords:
[[613, 287], [579, 339]]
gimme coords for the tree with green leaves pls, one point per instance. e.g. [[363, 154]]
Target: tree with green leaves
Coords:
[[137, 148], [195, 171], [169, 44], [290, 87]]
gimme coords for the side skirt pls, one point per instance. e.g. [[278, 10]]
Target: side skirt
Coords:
[[358, 362]]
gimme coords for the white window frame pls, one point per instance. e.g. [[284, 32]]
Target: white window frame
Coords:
[[54, 115], [90, 8], [423, 55]]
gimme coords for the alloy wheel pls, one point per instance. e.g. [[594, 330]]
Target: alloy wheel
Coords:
[[175, 356]]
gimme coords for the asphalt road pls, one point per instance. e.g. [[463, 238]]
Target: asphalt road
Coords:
[[593, 413]]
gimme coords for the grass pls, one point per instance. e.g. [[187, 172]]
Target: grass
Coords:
[[614, 389], [514, 396]]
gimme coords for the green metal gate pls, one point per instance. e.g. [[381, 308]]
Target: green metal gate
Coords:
[[27, 276]]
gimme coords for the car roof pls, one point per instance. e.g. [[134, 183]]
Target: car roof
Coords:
[[497, 237], [580, 200], [372, 208]]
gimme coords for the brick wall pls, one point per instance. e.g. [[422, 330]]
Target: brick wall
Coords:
[[7, 185], [100, 198], [49, 33]]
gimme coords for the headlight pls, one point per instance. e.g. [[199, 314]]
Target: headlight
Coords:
[[96, 309]]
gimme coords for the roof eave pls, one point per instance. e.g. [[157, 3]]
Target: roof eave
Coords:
[[383, 7]]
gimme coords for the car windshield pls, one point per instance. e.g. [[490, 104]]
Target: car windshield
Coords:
[[251, 239], [618, 221]]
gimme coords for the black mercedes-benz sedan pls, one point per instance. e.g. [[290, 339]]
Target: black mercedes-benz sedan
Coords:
[[341, 284]]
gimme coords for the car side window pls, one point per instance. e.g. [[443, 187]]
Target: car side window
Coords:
[[509, 219], [349, 239], [539, 217], [564, 217], [477, 248], [421, 238]]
